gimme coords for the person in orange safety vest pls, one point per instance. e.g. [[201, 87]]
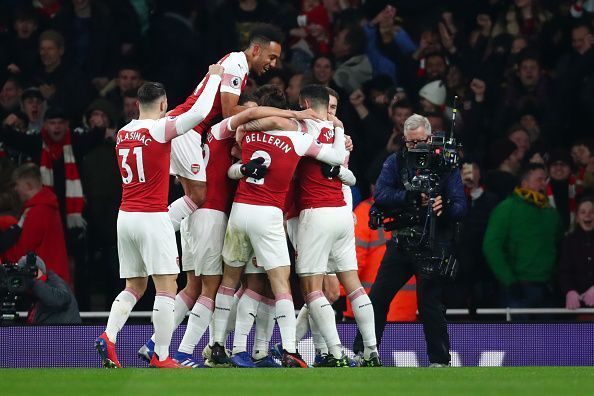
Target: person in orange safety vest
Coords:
[[371, 246]]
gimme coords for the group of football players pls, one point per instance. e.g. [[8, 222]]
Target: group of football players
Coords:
[[261, 174]]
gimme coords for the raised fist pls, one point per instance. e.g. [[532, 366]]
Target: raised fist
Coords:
[[216, 70]]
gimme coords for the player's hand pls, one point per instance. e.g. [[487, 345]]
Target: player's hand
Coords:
[[330, 171], [348, 143], [236, 151], [337, 123], [254, 169], [307, 114], [216, 70], [239, 134], [572, 300]]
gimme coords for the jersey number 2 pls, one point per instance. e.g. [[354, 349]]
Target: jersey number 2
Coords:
[[137, 151]]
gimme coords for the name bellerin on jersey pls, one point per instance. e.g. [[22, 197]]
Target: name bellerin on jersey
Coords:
[[268, 139]]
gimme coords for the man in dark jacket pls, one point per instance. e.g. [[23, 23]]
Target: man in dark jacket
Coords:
[[53, 302], [399, 264], [576, 269]]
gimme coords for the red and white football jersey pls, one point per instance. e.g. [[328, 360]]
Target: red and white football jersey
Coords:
[[281, 151], [143, 148], [217, 158], [315, 190], [233, 81]]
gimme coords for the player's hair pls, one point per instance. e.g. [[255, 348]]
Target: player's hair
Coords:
[[245, 97], [528, 169], [264, 33], [332, 92], [27, 171], [149, 92], [53, 36], [271, 95], [316, 94]]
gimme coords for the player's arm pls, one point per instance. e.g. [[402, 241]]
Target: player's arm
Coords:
[[271, 124], [276, 117], [176, 126], [274, 124], [346, 176], [229, 106], [203, 105], [332, 155]]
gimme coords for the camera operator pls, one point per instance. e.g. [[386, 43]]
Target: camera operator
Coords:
[[401, 259], [53, 301]]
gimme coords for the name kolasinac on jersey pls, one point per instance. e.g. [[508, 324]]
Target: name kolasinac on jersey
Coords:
[[136, 136]]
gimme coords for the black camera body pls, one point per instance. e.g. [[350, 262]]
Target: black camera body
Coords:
[[14, 282]]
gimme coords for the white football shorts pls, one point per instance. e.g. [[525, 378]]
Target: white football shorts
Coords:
[[146, 244], [187, 159], [326, 241], [202, 237], [256, 230]]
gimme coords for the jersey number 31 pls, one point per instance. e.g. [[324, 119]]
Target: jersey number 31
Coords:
[[137, 151]]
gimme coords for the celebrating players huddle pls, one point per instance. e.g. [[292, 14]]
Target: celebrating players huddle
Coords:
[[261, 174]]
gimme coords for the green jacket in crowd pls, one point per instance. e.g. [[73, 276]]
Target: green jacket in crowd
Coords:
[[522, 240]]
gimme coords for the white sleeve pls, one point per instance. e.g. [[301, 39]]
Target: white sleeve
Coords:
[[234, 171], [201, 107], [173, 126], [233, 76], [333, 155], [223, 129], [346, 176]]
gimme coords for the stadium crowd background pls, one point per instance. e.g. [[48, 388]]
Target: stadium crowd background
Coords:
[[523, 70]]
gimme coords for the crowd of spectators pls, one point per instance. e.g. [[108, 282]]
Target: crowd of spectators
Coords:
[[523, 71]]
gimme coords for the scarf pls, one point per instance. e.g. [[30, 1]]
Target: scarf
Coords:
[[580, 179], [52, 151], [571, 192], [532, 197]]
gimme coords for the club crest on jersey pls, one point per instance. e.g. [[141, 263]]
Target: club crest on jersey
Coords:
[[327, 135], [235, 82], [171, 118], [195, 168]]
